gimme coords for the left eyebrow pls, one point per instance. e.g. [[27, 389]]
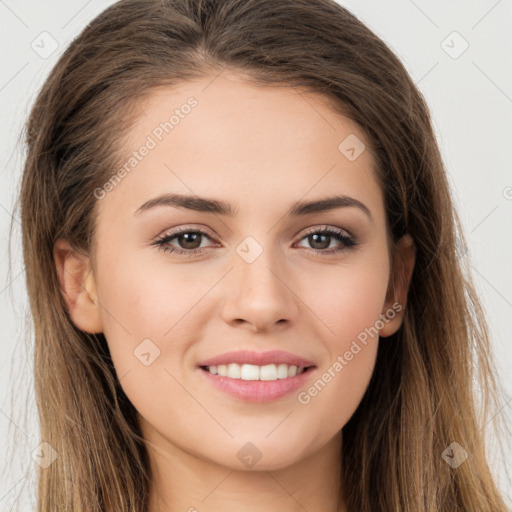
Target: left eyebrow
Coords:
[[203, 204], [329, 203]]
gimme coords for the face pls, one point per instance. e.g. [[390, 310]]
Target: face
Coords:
[[180, 285]]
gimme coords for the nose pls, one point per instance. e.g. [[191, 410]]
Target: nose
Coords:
[[260, 295]]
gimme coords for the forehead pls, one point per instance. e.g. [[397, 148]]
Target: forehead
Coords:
[[249, 144]]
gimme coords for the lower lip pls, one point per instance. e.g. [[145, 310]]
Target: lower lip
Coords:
[[258, 391]]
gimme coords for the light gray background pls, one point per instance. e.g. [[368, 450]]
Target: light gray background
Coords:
[[470, 97]]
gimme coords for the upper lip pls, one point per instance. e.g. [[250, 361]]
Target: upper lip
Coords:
[[257, 358]]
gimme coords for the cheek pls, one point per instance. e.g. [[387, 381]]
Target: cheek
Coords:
[[347, 298], [148, 316], [350, 306], [145, 298], [358, 305], [158, 310]]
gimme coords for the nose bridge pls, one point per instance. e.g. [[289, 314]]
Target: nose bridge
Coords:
[[262, 296], [259, 266]]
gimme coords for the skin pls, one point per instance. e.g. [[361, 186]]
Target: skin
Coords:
[[261, 149]]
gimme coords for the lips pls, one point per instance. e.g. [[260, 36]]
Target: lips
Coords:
[[257, 358]]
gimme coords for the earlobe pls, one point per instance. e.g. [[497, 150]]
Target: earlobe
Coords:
[[78, 287], [396, 298]]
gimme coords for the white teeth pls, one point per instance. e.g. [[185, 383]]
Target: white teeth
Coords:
[[234, 371], [245, 371], [269, 372], [282, 371], [254, 372]]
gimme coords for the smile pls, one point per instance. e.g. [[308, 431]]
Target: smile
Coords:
[[269, 372]]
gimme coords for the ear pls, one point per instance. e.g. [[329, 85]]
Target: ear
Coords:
[[396, 297], [78, 287]]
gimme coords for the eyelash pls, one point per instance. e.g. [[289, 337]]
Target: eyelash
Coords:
[[338, 234]]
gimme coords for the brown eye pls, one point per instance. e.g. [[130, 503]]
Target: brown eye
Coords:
[[317, 242], [187, 241], [320, 240]]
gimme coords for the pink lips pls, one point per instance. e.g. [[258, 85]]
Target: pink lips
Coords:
[[257, 358], [258, 391]]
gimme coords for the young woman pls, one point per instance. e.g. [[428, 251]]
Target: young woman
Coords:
[[241, 257]]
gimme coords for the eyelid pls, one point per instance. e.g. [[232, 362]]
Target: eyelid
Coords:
[[327, 227], [185, 229]]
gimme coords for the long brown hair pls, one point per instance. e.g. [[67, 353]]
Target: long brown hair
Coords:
[[421, 396]]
